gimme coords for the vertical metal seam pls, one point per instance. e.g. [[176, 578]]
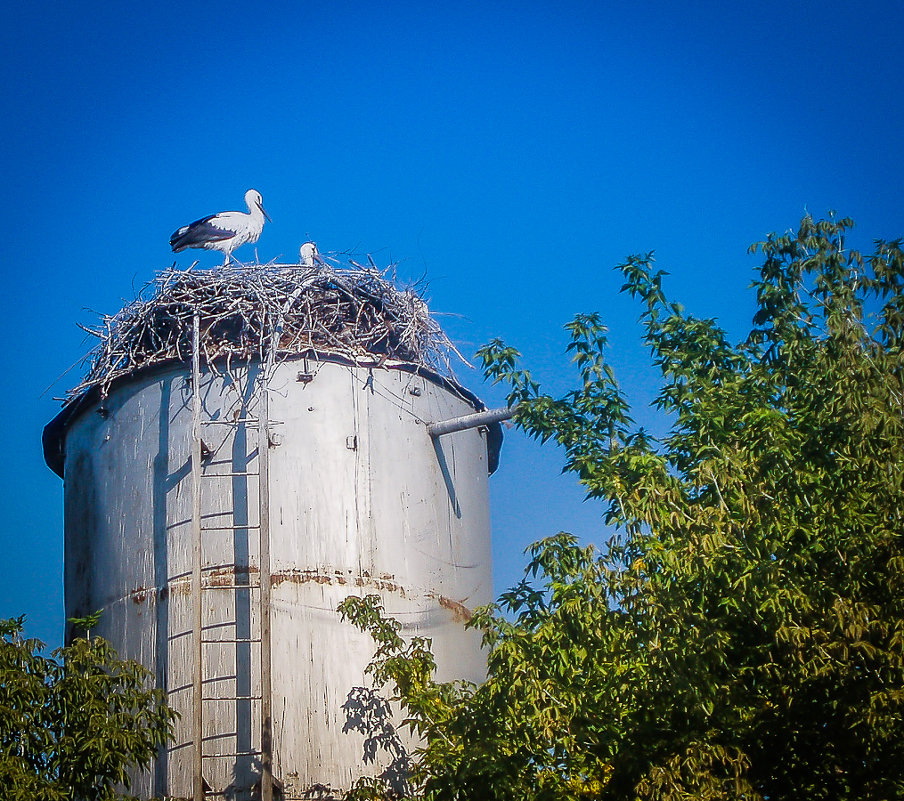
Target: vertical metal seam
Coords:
[[197, 672], [357, 473], [264, 520]]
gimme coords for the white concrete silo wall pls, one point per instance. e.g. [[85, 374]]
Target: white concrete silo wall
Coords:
[[360, 504], [127, 534], [361, 501]]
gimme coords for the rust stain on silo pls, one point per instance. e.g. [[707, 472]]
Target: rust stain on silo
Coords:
[[385, 581]]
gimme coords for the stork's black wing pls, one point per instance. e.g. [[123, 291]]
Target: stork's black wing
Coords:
[[198, 234]]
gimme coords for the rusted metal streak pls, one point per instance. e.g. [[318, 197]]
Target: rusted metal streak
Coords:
[[218, 577], [141, 594], [458, 609], [386, 583], [223, 578]]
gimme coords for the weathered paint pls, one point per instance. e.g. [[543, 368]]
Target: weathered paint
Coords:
[[362, 501]]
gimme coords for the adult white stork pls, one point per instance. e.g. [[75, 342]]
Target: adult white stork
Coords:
[[224, 231]]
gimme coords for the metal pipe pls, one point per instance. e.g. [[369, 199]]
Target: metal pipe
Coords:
[[470, 421]]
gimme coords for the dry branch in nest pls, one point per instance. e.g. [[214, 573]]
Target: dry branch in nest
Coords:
[[268, 312]]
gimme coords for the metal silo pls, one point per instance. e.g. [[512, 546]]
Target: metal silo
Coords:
[[219, 509]]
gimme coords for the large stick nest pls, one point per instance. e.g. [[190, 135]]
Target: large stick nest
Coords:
[[268, 312]]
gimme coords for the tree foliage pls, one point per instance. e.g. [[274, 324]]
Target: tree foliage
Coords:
[[73, 722], [742, 633]]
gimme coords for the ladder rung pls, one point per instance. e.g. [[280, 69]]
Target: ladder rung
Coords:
[[213, 680], [228, 640], [227, 475], [240, 420], [230, 422], [230, 586], [233, 754], [239, 569], [230, 528], [222, 736], [233, 698]]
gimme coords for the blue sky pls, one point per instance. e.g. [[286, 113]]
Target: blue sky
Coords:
[[512, 153]]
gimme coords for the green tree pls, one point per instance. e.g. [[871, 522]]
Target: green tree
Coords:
[[72, 723], [742, 633]]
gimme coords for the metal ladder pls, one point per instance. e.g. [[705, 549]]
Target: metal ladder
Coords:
[[201, 586]]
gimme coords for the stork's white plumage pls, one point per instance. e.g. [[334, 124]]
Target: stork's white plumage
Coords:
[[308, 255], [224, 231]]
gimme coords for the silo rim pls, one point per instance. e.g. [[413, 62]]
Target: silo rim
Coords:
[[54, 435]]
